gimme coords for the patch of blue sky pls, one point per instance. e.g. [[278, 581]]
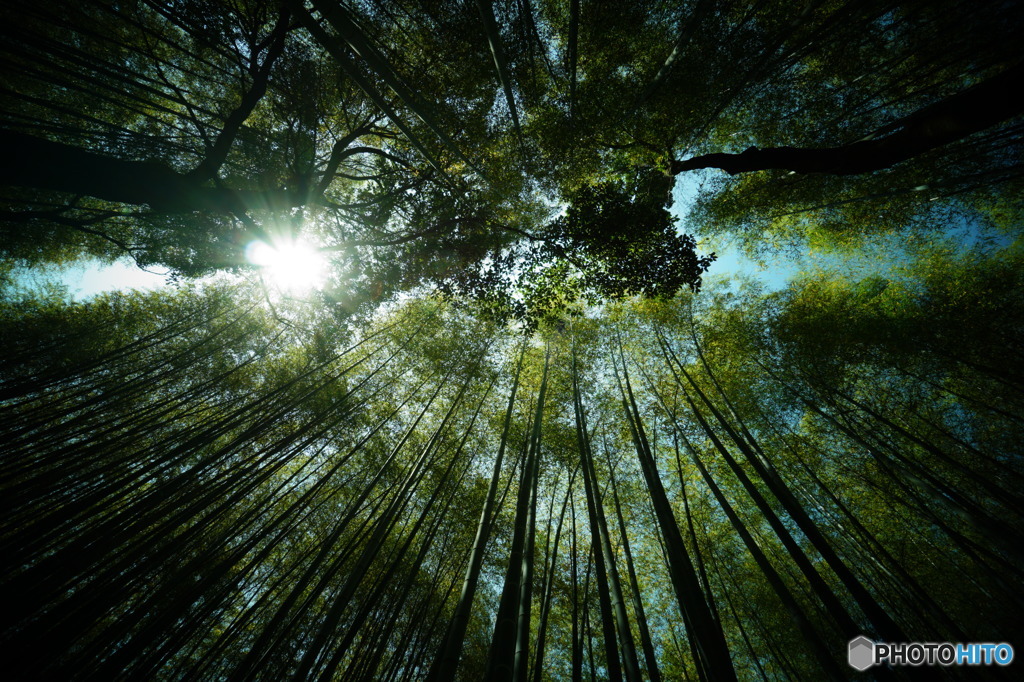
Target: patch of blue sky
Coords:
[[86, 279], [730, 260]]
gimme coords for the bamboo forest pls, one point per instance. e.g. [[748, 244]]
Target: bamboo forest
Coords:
[[512, 340]]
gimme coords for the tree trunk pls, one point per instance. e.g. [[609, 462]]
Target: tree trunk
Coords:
[[612, 608], [447, 659], [502, 653], [708, 641], [650, 657], [538, 667], [521, 662], [807, 629]]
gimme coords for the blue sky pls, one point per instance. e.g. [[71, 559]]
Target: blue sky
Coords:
[[92, 277], [730, 259]]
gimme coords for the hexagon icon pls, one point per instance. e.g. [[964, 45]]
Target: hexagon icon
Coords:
[[862, 653]]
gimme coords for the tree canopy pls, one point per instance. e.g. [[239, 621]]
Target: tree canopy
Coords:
[[434, 144]]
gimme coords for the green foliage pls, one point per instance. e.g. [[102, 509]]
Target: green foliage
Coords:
[[196, 427], [207, 483], [388, 137], [626, 239]]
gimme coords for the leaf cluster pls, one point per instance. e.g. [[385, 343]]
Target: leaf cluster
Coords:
[[626, 241]]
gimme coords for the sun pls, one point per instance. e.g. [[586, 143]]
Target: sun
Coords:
[[292, 265]]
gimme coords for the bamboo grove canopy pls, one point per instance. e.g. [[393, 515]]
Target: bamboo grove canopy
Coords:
[[519, 432]]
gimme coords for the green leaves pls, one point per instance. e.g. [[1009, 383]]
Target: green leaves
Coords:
[[624, 241]]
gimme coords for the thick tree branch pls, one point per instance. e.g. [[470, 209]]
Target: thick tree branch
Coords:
[[42, 164], [218, 153], [500, 61], [982, 106], [352, 151]]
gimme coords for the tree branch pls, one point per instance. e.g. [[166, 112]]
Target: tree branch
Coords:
[[982, 106], [42, 164], [404, 239], [218, 153]]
